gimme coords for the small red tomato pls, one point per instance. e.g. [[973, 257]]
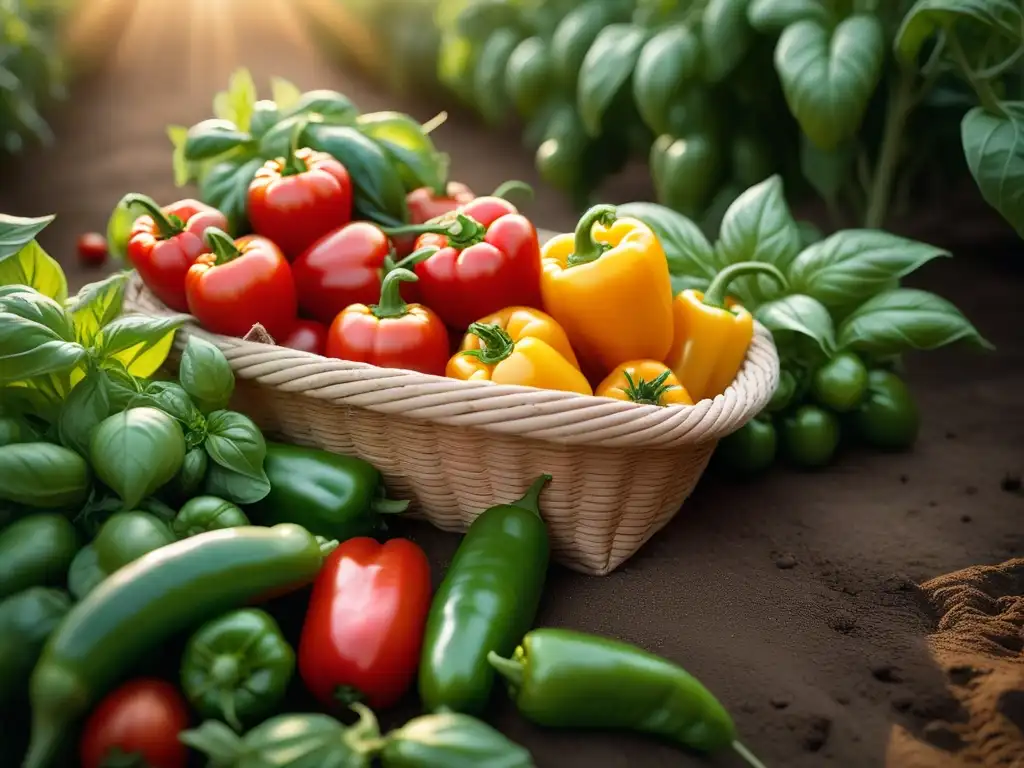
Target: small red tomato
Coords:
[[142, 718], [92, 249], [307, 336], [364, 627]]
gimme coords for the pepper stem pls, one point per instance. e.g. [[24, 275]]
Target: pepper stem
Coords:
[[384, 506], [510, 669], [326, 545], [513, 186], [645, 392], [227, 708], [292, 164], [412, 259], [222, 245], [497, 344], [363, 736], [167, 225], [349, 695], [463, 232], [748, 757], [391, 303], [531, 499], [585, 248], [714, 296]]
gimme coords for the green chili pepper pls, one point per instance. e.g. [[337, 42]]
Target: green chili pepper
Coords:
[[565, 679], [36, 551], [339, 497], [488, 599], [143, 604], [207, 513], [237, 667], [26, 619]]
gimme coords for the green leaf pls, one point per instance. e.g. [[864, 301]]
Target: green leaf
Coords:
[[828, 78], [178, 134], [800, 314], [206, 375], [38, 308], [226, 188], [452, 739], [827, 170], [212, 138], [994, 147], [235, 104], [17, 231], [853, 264], [329, 107], [404, 141], [490, 98], [234, 442], [606, 68], [527, 75], [140, 343], [926, 18], [775, 15], [119, 230], [43, 475], [285, 94], [667, 63], [726, 36], [691, 258], [234, 486], [904, 319], [29, 349], [96, 305], [172, 399], [83, 410], [34, 267]]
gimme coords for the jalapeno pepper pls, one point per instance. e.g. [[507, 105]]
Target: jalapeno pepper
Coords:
[[565, 679], [35, 552], [488, 598], [26, 620]]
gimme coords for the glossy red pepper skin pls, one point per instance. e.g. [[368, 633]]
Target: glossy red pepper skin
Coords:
[[342, 268], [244, 282], [464, 284], [425, 204], [307, 336], [364, 626], [296, 201], [162, 252]]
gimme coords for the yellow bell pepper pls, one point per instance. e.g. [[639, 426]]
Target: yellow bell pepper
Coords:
[[529, 362], [521, 322], [608, 286], [711, 333], [646, 382]]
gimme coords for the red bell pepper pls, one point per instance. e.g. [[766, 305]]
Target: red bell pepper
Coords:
[[243, 282], [308, 336], [391, 333], [425, 203], [165, 242], [488, 258], [342, 268], [364, 627], [297, 200]]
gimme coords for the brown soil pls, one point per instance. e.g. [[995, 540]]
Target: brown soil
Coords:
[[794, 598]]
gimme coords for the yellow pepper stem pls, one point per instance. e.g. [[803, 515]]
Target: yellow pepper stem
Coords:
[[497, 344], [645, 392], [715, 295], [585, 248]]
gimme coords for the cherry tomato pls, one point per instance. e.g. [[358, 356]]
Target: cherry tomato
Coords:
[[143, 717], [308, 336], [92, 249]]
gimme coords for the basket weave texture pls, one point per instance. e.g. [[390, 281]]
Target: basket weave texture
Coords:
[[620, 471]]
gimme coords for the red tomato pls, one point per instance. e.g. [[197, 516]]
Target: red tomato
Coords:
[[364, 626], [308, 336], [242, 283], [142, 717], [92, 249]]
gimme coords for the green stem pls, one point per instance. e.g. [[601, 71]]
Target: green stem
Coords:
[[292, 164], [384, 506], [901, 99], [748, 757], [222, 245], [531, 499], [497, 344], [981, 86], [391, 303], [585, 248], [643, 392], [326, 545], [510, 669], [411, 260], [167, 226], [512, 186], [461, 233], [715, 295]]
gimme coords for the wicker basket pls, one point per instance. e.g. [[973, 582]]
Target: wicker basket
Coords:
[[620, 470]]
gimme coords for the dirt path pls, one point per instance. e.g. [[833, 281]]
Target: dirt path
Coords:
[[793, 598]]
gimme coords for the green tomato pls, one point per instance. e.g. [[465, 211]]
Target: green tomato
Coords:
[[842, 383], [810, 436], [888, 418], [127, 536], [207, 513], [784, 394], [750, 449]]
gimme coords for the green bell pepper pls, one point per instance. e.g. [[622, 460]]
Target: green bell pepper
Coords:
[[237, 667], [888, 418], [36, 551], [841, 384], [488, 599], [206, 513], [750, 449], [338, 497], [26, 619], [810, 436], [122, 539]]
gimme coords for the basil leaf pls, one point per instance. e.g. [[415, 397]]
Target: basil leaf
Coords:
[[826, 170], [206, 375], [137, 451], [178, 135], [329, 106], [265, 115], [403, 139], [140, 343], [726, 35], [606, 69], [226, 188], [236, 103], [800, 314], [236, 443], [928, 17], [452, 739], [34, 267], [85, 407], [853, 264], [994, 147], [904, 319], [34, 306], [18, 231], [123, 389], [96, 305], [29, 349], [828, 78], [668, 61], [691, 258], [285, 94], [227, 484], [44, 476], [212, 138], [192, 473], [776, 15], [173, 400]]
